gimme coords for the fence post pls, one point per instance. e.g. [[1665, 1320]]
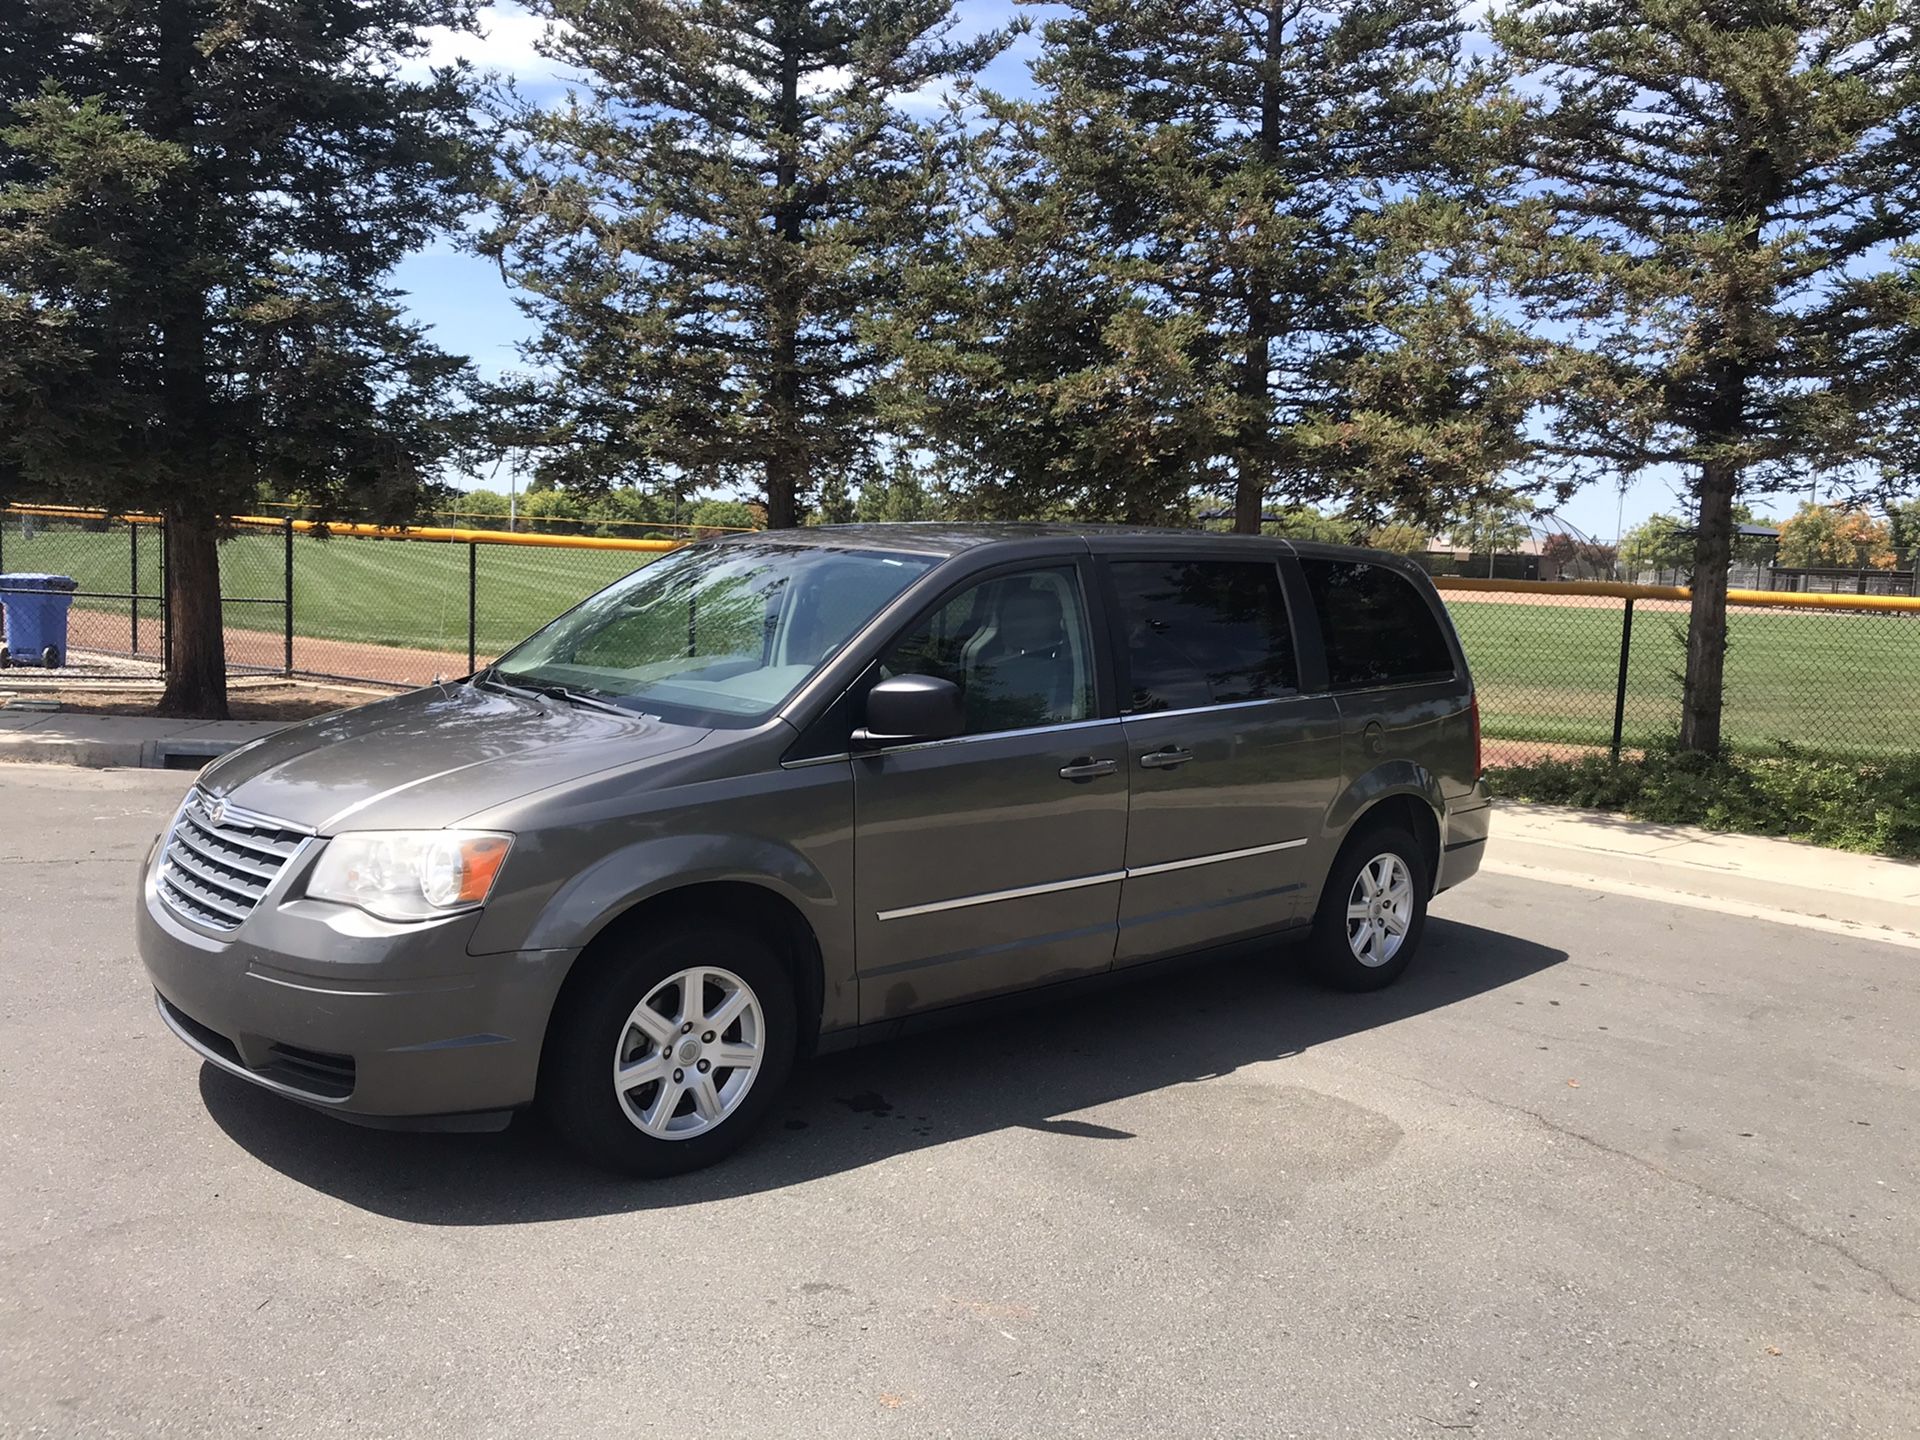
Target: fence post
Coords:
[[473, 607], [289, 592], [166, 604], [133, 588], [1620, 689]]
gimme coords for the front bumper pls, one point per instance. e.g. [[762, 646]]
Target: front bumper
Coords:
[[383, 1024]]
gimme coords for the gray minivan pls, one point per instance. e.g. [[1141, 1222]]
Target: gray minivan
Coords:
[[786, 792]]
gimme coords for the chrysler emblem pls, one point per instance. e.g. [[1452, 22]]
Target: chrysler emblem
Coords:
[[217, 813]]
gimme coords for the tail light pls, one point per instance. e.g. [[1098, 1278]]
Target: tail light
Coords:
[[1473, 715]]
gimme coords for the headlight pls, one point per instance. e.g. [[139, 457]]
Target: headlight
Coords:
[[409, 874]]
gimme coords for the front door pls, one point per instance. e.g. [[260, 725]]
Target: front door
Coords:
[[993, 861], [1232, 769]]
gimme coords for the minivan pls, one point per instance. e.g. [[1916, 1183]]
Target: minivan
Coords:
[[786, 792]]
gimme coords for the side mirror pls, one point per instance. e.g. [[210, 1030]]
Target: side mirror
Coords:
[[912, 707]]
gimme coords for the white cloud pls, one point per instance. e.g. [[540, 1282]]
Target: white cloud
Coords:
[[506, 43]]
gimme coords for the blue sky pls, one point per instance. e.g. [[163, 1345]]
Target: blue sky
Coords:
[[471, 312]]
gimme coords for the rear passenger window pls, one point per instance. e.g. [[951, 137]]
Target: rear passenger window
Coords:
[[1203, 632], [1377, 628]]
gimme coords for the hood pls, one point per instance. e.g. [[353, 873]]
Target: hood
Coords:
[[426, 759]]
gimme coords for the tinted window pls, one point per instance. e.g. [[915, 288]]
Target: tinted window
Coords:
[[1016, 645], [1203, 632], [1378, 629]]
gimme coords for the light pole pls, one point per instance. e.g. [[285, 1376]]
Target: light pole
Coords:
[[1620, 532]]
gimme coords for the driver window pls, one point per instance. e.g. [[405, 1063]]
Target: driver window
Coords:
[[1016, 645]]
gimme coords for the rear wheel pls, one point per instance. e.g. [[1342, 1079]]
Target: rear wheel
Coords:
[[667, 1056], [1373, 911]]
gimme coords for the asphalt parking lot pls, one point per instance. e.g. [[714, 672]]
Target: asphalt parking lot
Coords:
[[1599, 1166]]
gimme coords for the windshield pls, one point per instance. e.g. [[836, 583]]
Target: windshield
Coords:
[[726, 632]]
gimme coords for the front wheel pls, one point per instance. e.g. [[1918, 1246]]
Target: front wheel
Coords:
[[1373, 911], [667, 1056]]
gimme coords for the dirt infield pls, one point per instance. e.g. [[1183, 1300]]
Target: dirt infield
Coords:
[[110, 633], [1537, 598]]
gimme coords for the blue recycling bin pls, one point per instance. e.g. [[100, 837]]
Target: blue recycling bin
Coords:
[[36, 608]]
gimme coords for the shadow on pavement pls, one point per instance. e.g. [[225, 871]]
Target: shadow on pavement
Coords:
[[1035, 1069]]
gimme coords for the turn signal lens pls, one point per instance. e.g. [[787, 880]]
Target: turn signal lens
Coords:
[[461, 871]]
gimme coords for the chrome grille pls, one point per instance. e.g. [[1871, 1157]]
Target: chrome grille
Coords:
[[220, 861]]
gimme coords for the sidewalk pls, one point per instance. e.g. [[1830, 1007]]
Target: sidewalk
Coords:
[[73, 737], [1863, 893]]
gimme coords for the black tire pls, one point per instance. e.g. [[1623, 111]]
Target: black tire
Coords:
[[50, 657], [6, 657], [1332, 948], [577, 1091]]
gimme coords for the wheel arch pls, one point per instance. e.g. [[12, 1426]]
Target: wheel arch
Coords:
[[1398, 792], [766, 911]]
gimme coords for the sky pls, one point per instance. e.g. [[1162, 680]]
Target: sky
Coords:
[[470, 311]]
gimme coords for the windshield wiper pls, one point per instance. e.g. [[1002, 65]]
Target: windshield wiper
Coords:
[[491, 676]]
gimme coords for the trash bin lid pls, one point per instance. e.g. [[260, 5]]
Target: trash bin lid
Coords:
[[38, 582]]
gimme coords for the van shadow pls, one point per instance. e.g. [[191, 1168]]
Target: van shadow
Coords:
[[1034, 1068]]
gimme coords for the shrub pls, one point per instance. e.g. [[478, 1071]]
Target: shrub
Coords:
[[1846, 804]]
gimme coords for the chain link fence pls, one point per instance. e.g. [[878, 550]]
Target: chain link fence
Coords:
[[1562, 670], [117, 624], [1565, 674], [303, 602]]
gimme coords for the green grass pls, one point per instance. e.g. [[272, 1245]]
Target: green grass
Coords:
[[1839, 683], [379, 592], [1850, 804]]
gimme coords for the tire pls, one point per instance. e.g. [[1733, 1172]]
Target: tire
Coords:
[[50, 657], [1360, 953], [6, 658], [600, 1023]]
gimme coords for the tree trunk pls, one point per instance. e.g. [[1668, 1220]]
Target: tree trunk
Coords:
[[1250, 486], [197, 674], [786, 457], [1707, 620], [197, 678], [1253, 445]]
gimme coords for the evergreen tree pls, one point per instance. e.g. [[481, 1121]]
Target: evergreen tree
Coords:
[[1716, 188], [705, 232], [1226, 248], [199, 202]]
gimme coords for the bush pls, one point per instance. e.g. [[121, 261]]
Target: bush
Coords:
[[1846, 804]]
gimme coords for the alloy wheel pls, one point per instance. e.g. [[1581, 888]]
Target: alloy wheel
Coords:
[[689, 1052], [1379, 910]]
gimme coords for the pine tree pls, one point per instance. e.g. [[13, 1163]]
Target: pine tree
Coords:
[[707, 229], [199, 203], [1715, 190], [1226, 248]]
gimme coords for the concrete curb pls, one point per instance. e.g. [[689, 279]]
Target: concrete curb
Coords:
[[102, 742], [1761, 872]]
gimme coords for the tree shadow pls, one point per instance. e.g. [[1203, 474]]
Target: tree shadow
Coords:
[[1034, 1068]]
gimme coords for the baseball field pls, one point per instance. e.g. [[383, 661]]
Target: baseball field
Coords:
[[1546, 665]]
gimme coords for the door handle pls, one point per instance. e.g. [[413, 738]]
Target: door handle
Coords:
[[1166, 759], [1087, 768]]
